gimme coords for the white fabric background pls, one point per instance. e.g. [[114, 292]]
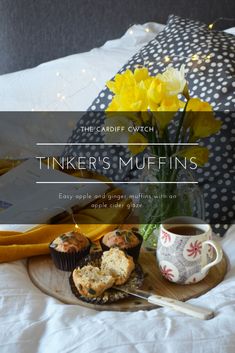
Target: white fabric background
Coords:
[[38, 88], [32, 322]]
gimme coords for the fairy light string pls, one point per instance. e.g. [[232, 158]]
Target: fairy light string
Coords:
[[212, 25], [167, 59], [194, 58], [67, 210]]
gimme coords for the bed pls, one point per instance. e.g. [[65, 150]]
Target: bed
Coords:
[[31, 321]]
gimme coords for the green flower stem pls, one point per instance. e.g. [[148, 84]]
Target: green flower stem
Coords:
[[162, 209], [147, 230], [177, 137], [168, 150]]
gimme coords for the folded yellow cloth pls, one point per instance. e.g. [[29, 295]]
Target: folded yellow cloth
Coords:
[[94, 223], [7, 164], [35, 242]]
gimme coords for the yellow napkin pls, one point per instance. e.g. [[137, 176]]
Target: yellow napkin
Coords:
[[7, 164], [93, 222]]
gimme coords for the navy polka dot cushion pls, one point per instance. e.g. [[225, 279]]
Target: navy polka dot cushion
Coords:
[[209, 59]]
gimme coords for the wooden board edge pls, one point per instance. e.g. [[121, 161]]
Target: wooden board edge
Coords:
[[115, 307]]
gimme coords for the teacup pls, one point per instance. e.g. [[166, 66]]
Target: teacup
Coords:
[[186, 251]]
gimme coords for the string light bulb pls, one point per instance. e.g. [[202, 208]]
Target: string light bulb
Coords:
[[211, 25], [194, 57], [76, 226], [130, 31], [167, 59], [147, 30]]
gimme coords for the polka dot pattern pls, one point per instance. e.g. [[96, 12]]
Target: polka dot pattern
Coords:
[[217, 179], [211, 77]]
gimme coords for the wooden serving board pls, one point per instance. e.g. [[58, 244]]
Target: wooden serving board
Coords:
[[54, 282]]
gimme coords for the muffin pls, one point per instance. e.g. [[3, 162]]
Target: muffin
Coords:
[[68, 249], [91, 281], [118, 264], [128, 240], [115, 269]]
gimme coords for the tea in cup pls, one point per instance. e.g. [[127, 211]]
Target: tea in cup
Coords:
[[186, 251]]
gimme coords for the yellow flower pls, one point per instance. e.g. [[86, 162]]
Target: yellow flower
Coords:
[[166, 111], [120, 80], [171, 104], [174, 80], [130, 89], [199, 154], [141, 74], [161, 102], [127, 79], [200, 119], [196, 105], [129, 100], [156, 93], [137, 138]]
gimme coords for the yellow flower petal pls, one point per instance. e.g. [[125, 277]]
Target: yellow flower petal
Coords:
[[141, 74], [199, 154], [155, 94], [120, 80], [174, 80], [205, 125], [137, 138], [200, 119], [166, 111], [196, 104], [130, 91], [171, 104]]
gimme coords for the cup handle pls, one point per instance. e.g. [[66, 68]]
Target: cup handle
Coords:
[[219, 254]]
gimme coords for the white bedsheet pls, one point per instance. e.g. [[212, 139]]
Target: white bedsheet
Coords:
[[32, 322], [71, 83]]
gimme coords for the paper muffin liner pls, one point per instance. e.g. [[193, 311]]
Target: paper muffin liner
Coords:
[[133, 251], [110, 295], [68, 261]]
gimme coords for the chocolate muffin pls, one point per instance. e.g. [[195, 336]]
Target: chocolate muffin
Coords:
[[68, 249], [128, 240]]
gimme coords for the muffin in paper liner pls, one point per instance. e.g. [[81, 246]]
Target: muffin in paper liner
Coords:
[[110, 295], [133, 251], [66, 251]]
